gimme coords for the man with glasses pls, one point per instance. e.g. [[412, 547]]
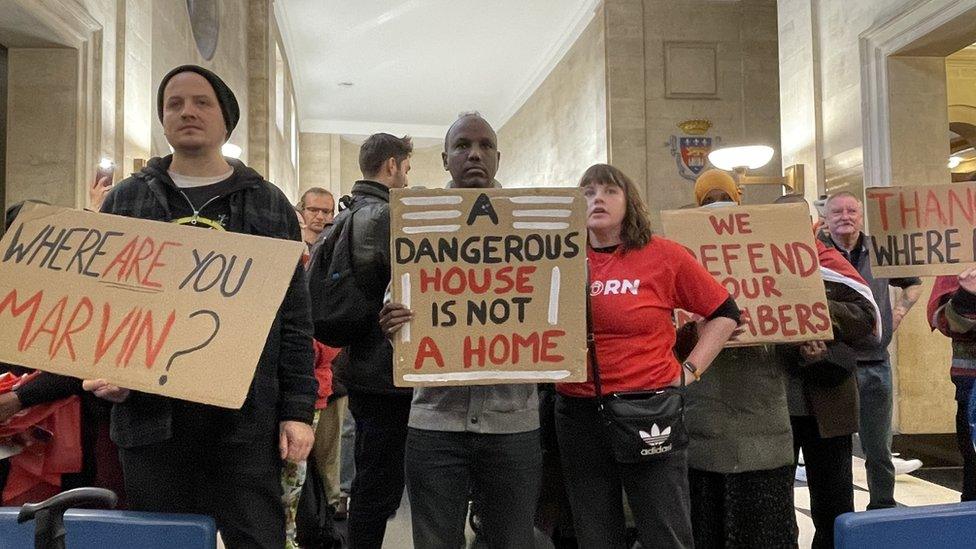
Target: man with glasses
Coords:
[[318, 208]]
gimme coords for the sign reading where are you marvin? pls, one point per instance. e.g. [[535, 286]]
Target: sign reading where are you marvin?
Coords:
[[496, 279], [156, 307]]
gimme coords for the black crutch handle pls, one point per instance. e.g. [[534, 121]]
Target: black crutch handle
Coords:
[[48, 515]]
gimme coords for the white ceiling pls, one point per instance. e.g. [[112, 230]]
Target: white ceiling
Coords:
[[415, 64]]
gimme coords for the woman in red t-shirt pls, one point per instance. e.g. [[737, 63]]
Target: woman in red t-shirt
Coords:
[[636, 282]]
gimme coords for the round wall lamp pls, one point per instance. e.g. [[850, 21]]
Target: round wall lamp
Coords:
[[739, 160]]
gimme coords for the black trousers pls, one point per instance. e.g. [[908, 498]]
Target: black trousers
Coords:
[[748, 510], [829, 476], [238, 485], [499, 472], [377, 488], [965, 441], [657, 491]]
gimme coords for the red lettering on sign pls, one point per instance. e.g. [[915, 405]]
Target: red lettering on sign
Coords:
[[428, 349], [882, 199], [16, 310], [549, 344], [910, 208], [146, 333], [103, 344], [74, 327], [754, 252]]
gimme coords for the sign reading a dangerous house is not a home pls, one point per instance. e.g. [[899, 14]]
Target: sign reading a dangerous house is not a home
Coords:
[[496, 279]]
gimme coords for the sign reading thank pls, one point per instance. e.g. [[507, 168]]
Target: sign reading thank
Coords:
[[921, 230], [496, 279], [766, 257], [151, 306]]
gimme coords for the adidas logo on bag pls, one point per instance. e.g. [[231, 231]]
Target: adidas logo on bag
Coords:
[[656, 437]]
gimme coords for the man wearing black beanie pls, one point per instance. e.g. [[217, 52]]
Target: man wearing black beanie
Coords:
[[185, 457]]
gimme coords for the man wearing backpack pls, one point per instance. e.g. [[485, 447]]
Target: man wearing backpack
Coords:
[[480, 439], [379, 409]]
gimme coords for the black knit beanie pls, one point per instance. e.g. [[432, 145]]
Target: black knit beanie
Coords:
[[225, 97]]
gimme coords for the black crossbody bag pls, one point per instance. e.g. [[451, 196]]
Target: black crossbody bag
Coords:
[[642, 425]]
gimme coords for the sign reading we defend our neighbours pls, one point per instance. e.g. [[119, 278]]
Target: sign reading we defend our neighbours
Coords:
[[496, 279], [151, 306], [921, 230], [766, 257]]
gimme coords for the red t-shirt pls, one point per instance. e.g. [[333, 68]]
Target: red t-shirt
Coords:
[[633, 296]]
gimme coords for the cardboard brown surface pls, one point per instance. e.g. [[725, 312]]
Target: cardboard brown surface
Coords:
[[921, 230], [766, 257], [151, 306], [496, 279]]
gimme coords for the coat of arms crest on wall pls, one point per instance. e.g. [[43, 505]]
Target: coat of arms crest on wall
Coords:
[[691, 150]]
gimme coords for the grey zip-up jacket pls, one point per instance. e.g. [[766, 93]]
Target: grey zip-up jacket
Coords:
[[486, 409]]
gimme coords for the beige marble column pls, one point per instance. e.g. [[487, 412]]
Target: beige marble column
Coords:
[[138, 104], [801, 124], [259, 83], [626, 132]]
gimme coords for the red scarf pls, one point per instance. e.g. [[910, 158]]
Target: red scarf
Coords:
[[834, 268], [943, 289]]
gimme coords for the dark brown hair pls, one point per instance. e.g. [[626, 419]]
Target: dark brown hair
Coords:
[[636, 229], [380, 147]]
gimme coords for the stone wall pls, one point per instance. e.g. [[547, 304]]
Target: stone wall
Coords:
[[41, 141], [319, 153], [670, 62], [121, 50], [562, 128]]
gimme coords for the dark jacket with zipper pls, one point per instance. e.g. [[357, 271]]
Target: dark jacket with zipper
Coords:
[[835, 407], [869, 348], [368, 364], [284, 386]]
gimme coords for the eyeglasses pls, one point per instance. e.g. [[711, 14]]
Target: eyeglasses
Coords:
[[316, 211]]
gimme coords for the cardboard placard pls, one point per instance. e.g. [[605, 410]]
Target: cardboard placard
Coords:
[[156, 307], [921, 230], [766, 257], [496, 279]]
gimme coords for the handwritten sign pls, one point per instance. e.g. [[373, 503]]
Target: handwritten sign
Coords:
[[765, 256], [921, 231], [178, 311], [497, 283]]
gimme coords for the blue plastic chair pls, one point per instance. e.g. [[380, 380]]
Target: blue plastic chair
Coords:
[[947, 526], [91, 529]]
